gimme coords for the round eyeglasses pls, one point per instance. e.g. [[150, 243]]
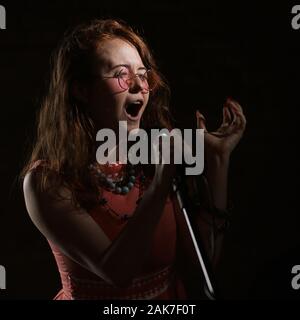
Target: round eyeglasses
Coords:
[[126, 79]]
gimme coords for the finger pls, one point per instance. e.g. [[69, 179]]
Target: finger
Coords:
[[200, 120], [238, 111], [227, 120], [226, 116], [233, 114], [227, 130], [242, 120], [233, 123], [235, 104], [239, 124]]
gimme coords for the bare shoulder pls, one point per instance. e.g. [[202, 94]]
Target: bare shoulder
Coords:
[[37, 196], [32, 181], [31, 186], [68, 226], [50, 207]]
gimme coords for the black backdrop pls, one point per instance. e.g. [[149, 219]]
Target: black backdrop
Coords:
[[208, 50]]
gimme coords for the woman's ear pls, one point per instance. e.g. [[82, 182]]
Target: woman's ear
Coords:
[[79, 91]]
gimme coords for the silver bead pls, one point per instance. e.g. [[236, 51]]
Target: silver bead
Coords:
[[125, 189], [130, 185], [118, 190]]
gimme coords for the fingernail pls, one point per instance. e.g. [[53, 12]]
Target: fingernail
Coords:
[[199, 115]]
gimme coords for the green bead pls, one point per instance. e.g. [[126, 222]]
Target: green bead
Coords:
[[132, 178]]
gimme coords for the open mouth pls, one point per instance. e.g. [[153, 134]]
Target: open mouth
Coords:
[[132, 109]]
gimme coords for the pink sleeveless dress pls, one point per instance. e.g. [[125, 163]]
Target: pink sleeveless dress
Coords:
[[159, 279]]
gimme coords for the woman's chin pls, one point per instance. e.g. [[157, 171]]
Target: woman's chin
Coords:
[[132, 125]]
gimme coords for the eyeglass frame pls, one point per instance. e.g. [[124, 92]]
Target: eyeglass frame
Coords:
[[131, 78]]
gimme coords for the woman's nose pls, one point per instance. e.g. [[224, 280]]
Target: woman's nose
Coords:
[[136, 85]]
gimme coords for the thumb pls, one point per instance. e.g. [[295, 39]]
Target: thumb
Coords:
[[200, 120]]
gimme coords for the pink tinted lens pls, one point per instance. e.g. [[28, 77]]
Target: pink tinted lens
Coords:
[[145, 84], [123, 83]]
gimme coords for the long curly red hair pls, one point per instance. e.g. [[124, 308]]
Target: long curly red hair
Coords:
[[65, 133]]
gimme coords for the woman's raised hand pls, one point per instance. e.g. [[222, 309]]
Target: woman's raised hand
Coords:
[[223, 141]]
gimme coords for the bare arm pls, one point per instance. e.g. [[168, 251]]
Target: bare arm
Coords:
[[79, 237], [213, 194], [218, 148]]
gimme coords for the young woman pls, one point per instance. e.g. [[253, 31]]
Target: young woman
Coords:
[[112, 228]]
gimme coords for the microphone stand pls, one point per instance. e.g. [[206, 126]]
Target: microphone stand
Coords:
[[201, 256]]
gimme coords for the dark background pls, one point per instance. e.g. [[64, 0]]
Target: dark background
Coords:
[[207, 50]]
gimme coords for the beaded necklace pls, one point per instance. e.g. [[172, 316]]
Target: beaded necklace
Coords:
[[119, 179], [116, 177]]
